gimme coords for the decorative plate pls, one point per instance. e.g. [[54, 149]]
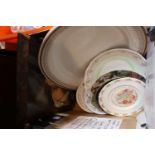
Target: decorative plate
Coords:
[[106, 78], [112, 60], [122, 97], [80, 98]]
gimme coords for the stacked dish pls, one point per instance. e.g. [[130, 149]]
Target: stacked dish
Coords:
[[114, 83], [104, 64]]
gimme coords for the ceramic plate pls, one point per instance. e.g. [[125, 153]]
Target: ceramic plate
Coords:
[[106, 78], [66, 51], [80, 98], [93, 106], [111, 60], [122, 97], [115, 75]]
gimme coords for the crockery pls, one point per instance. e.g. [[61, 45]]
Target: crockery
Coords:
[[66, 51], [103, 80], [80, 99], [122, 97], [111, 60]]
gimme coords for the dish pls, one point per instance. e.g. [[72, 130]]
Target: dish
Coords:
[[66, 51], [115, 75], [122, 97], [80, 99], [106, 78], [111, 60]]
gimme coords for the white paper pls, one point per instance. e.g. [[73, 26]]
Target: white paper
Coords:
[[84, 122]]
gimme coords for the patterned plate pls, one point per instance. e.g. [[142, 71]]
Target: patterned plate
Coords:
[[122, 97], [106, 78], [111, 60], [81, 97]]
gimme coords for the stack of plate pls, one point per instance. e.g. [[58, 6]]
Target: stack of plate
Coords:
[[113, 83], [104, 63]]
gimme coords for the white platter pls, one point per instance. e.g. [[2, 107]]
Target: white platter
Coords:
[[66, 51], [122, 97]]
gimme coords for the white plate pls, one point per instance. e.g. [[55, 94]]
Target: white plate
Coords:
[[66, 51], [112, 60], [122, 97], [80, 98], [106, 78], [93, 106]]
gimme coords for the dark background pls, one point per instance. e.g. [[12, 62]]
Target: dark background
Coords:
[[7, 89]]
